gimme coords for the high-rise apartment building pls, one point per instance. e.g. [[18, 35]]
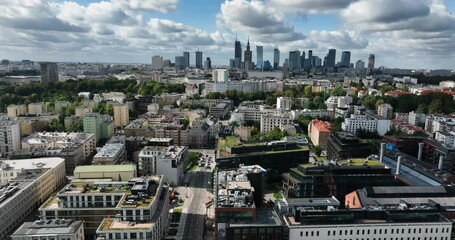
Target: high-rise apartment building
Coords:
[[49, 72], [16, 110], [10, 136], [385, 110], [36, 108], [157, 62], [276, 58], [121, 115], [199, 59], [259, 57], [345, 59]]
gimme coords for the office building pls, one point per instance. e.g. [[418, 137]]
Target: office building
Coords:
[[76, 148], [371, 60], [320, 219], [238, 54], [330, 59], [294, 61], [360, 65], [385, 110], [37, 108], [157, 62], [180, 63], [345, 59], [171, 162], [34, 181], [319, 132], [208, 64], [110, 154], [344, 145], [269, 122], [49, 72], [66, 229], [198, 59], [283, 103], [121, 115], [259, 57], [186, 55], [276, 58], [367, 123], [10, 136], [136, 208], [16, 110]]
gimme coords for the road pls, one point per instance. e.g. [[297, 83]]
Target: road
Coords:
[[199, 182]]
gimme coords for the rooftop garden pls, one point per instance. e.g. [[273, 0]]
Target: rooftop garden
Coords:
[[361, 162]]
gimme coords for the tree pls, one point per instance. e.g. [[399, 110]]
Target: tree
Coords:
[[317, 150], [435, 106]]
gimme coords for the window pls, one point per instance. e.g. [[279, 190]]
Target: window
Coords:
[[328, 233], [312, 233], [301, 234]]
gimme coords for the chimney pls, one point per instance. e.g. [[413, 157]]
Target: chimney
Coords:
[[441, 162], [381, 153], [398, 165], [419, 156]]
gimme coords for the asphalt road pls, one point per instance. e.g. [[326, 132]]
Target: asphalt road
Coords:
[[198, 183]]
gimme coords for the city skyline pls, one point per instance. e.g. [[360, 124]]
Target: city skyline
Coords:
[[401, 34]]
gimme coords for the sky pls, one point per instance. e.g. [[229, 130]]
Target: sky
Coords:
[[401, 33]]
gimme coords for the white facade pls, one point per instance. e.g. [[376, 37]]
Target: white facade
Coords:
[[283, 103], [268, 122], [10, 136], [220, 75], [171, 162], [414, 118], [405, 79], [111, 96], [29, 190], [374, 231], [56, 229], [447, 84], [334, 102], [385, 110], [366, 122], [110, 154], [446, 138], [312, 113]]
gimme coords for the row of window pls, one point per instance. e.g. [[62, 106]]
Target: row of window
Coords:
[[375, 231]]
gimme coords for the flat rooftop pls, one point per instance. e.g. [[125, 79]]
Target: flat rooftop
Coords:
[[32, 163], [105, 168], [54, 226], [234, 189], [109, 224], [109, 150]]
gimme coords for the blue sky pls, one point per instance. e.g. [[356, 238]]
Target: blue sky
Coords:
[[401, 33]]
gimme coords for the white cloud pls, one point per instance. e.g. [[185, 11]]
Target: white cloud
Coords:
[[310, 6]]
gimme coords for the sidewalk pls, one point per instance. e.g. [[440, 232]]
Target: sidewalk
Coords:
[[184, 192]]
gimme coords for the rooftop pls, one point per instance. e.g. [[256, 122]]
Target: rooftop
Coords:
[[110, 150], [105, 168], [234, 189], [54, 226], [33, 163], [109, 224]]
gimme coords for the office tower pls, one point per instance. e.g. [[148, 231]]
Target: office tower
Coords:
[[294, 61], [10, 136], [49, 72], [231, 63], [186, 55], [302, 60], [238, 54], [371, 60], [208, 64], [360, 65], [276, 58], [329, 60], [259, 56], [345, 59], [267, 66], [317, 61], [198, 59], [310, 58], [157, 62], [179, 62], [166, 63], [121, 115]]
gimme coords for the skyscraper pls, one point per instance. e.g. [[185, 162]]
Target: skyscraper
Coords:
[[276, 58], [238, 54], [302, 60], [179, 62], [186, 55], [198, 59], [360, 65], [310, 57], [208, 64], [371, 60], [294, 61], [345, 59], [157, 62], [248, 53], [329, 61], [49, 72], [259, 56]]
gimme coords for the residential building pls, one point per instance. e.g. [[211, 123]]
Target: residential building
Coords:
[[314, 113], [385, 110], [368, 123], [66, 229], [319, 132], [34, 181], [106, 127], [269, 122], [416, 118], [75, 148], [171, 162], [283, 103], [82, 110], [344, 145], [36, 108], [437, 123], [110, 96], [16, 110], [30, 126], [199, 135], [121, 115], [49, 72], [176, 132], [110, 154], [157, 62], [136, 208], [334, 102], [116, 173], [10, 136], [220, 110], [59, 105], [100, 125], [220, 75]]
